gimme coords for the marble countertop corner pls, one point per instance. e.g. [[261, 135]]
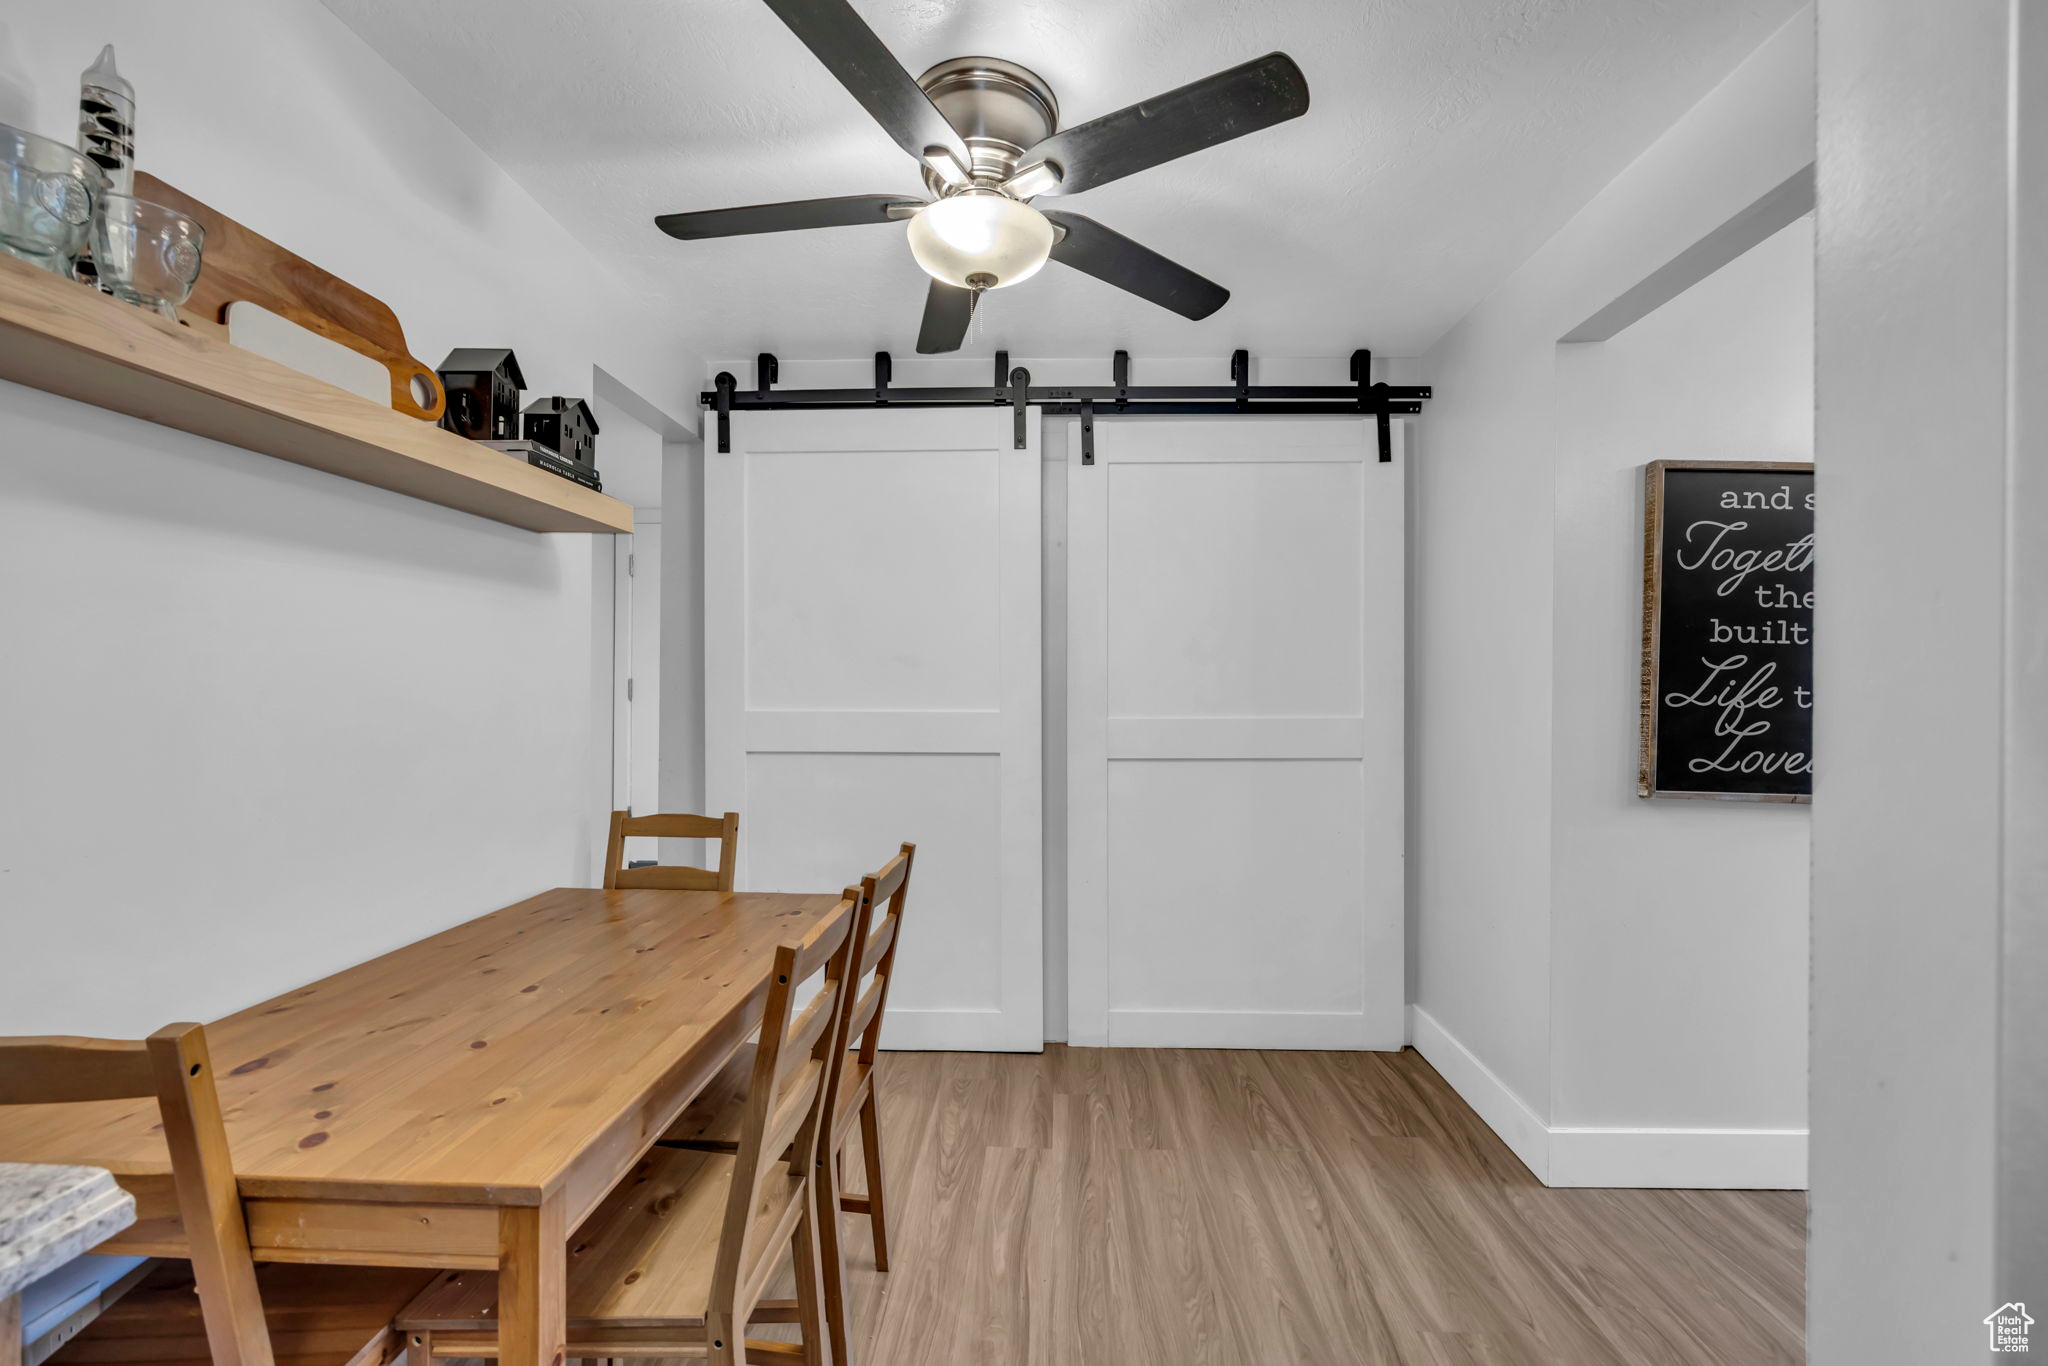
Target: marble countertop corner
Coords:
[[51, 1214]]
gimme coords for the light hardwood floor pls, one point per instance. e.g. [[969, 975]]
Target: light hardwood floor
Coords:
[[1189, 1208]]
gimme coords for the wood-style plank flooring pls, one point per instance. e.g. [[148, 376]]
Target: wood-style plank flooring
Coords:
[[1191, 1208]]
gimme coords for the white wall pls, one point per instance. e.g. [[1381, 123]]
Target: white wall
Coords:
[[261, 723], [1487, 626], [1678, 928], [258, 722], [1930, 872]]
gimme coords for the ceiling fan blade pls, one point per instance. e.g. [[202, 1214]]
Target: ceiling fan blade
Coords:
[[850, 50], [1214, 109], [1115, 259], [844, 212], [947, 311]]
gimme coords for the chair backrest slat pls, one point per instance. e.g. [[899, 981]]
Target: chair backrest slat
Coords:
[[797, 1062], [673, 877], [889, 879], [57, 1068], [174, 1066], [805, 1030], [677, 827], [865, 1009], [891, 884], [878, 944], [667, 877], [792, 1108]]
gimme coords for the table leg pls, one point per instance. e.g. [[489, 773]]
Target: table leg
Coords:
[[533, 1276]]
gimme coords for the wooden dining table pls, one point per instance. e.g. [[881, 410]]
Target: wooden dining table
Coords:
[[463, 1101]]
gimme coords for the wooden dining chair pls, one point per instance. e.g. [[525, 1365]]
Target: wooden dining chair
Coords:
[[240, 1315], [890, 885], [673, 877], [675, 1261], [710, 1123]]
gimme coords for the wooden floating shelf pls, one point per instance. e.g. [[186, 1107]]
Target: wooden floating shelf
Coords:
[[70, 340]]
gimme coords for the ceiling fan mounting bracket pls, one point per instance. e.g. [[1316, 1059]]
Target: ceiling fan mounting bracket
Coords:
[[999, 108]]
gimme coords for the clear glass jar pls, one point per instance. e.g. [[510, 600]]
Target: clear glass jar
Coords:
[[146, 253], [48, 192]]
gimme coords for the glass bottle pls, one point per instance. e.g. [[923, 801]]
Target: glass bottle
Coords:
[[106, 133], [106, 121]]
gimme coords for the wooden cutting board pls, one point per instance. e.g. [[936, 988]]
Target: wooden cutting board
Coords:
[[239, 265], [255, 328]]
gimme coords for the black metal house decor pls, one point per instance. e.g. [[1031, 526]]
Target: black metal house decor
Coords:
[[483, 385], [565, 426]]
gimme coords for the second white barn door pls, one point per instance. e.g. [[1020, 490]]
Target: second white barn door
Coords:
[[872, 676], [1235, 680]]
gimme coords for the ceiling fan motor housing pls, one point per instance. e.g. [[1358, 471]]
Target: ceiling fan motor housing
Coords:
[[999, 109]]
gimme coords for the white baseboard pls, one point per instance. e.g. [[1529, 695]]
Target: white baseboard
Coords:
[[982, 1031], [911, 1030], [1281, 1029], [1684, 1159], [1688, 1159], [1506, 1113]]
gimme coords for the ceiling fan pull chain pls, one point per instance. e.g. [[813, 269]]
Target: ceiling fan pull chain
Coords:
[[974, 320]]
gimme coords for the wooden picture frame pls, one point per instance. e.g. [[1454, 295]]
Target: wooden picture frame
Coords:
[[1654, 506]]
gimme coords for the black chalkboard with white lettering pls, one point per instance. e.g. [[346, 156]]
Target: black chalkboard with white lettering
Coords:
[[1727, 703]]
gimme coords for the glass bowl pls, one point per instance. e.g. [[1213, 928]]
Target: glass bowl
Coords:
[[146, 253], [47, 194]]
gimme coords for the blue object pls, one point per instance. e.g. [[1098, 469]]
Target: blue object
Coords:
[[57, 1296]]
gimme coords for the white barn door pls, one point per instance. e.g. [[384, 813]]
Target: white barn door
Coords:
[[1235, 676], [871, 661]]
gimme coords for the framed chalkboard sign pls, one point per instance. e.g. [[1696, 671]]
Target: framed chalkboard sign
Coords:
[[1727, 704]]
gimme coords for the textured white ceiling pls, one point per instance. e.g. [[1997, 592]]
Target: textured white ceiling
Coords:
[[1445, 141]]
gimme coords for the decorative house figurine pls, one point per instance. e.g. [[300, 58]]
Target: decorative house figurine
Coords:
[[483, 385], [565, 426]]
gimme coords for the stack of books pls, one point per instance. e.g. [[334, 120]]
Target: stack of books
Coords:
[[533, 453]]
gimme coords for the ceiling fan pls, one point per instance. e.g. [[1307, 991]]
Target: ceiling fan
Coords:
[[987, 132]]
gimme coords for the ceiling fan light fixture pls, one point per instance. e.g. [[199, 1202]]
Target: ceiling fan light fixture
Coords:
[[980, 239]]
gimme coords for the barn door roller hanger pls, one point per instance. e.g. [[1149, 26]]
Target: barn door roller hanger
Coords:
[[1119, 398]]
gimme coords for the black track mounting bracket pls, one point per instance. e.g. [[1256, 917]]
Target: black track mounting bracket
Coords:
[[1362, 397], [1361, 375], [723, 400]]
